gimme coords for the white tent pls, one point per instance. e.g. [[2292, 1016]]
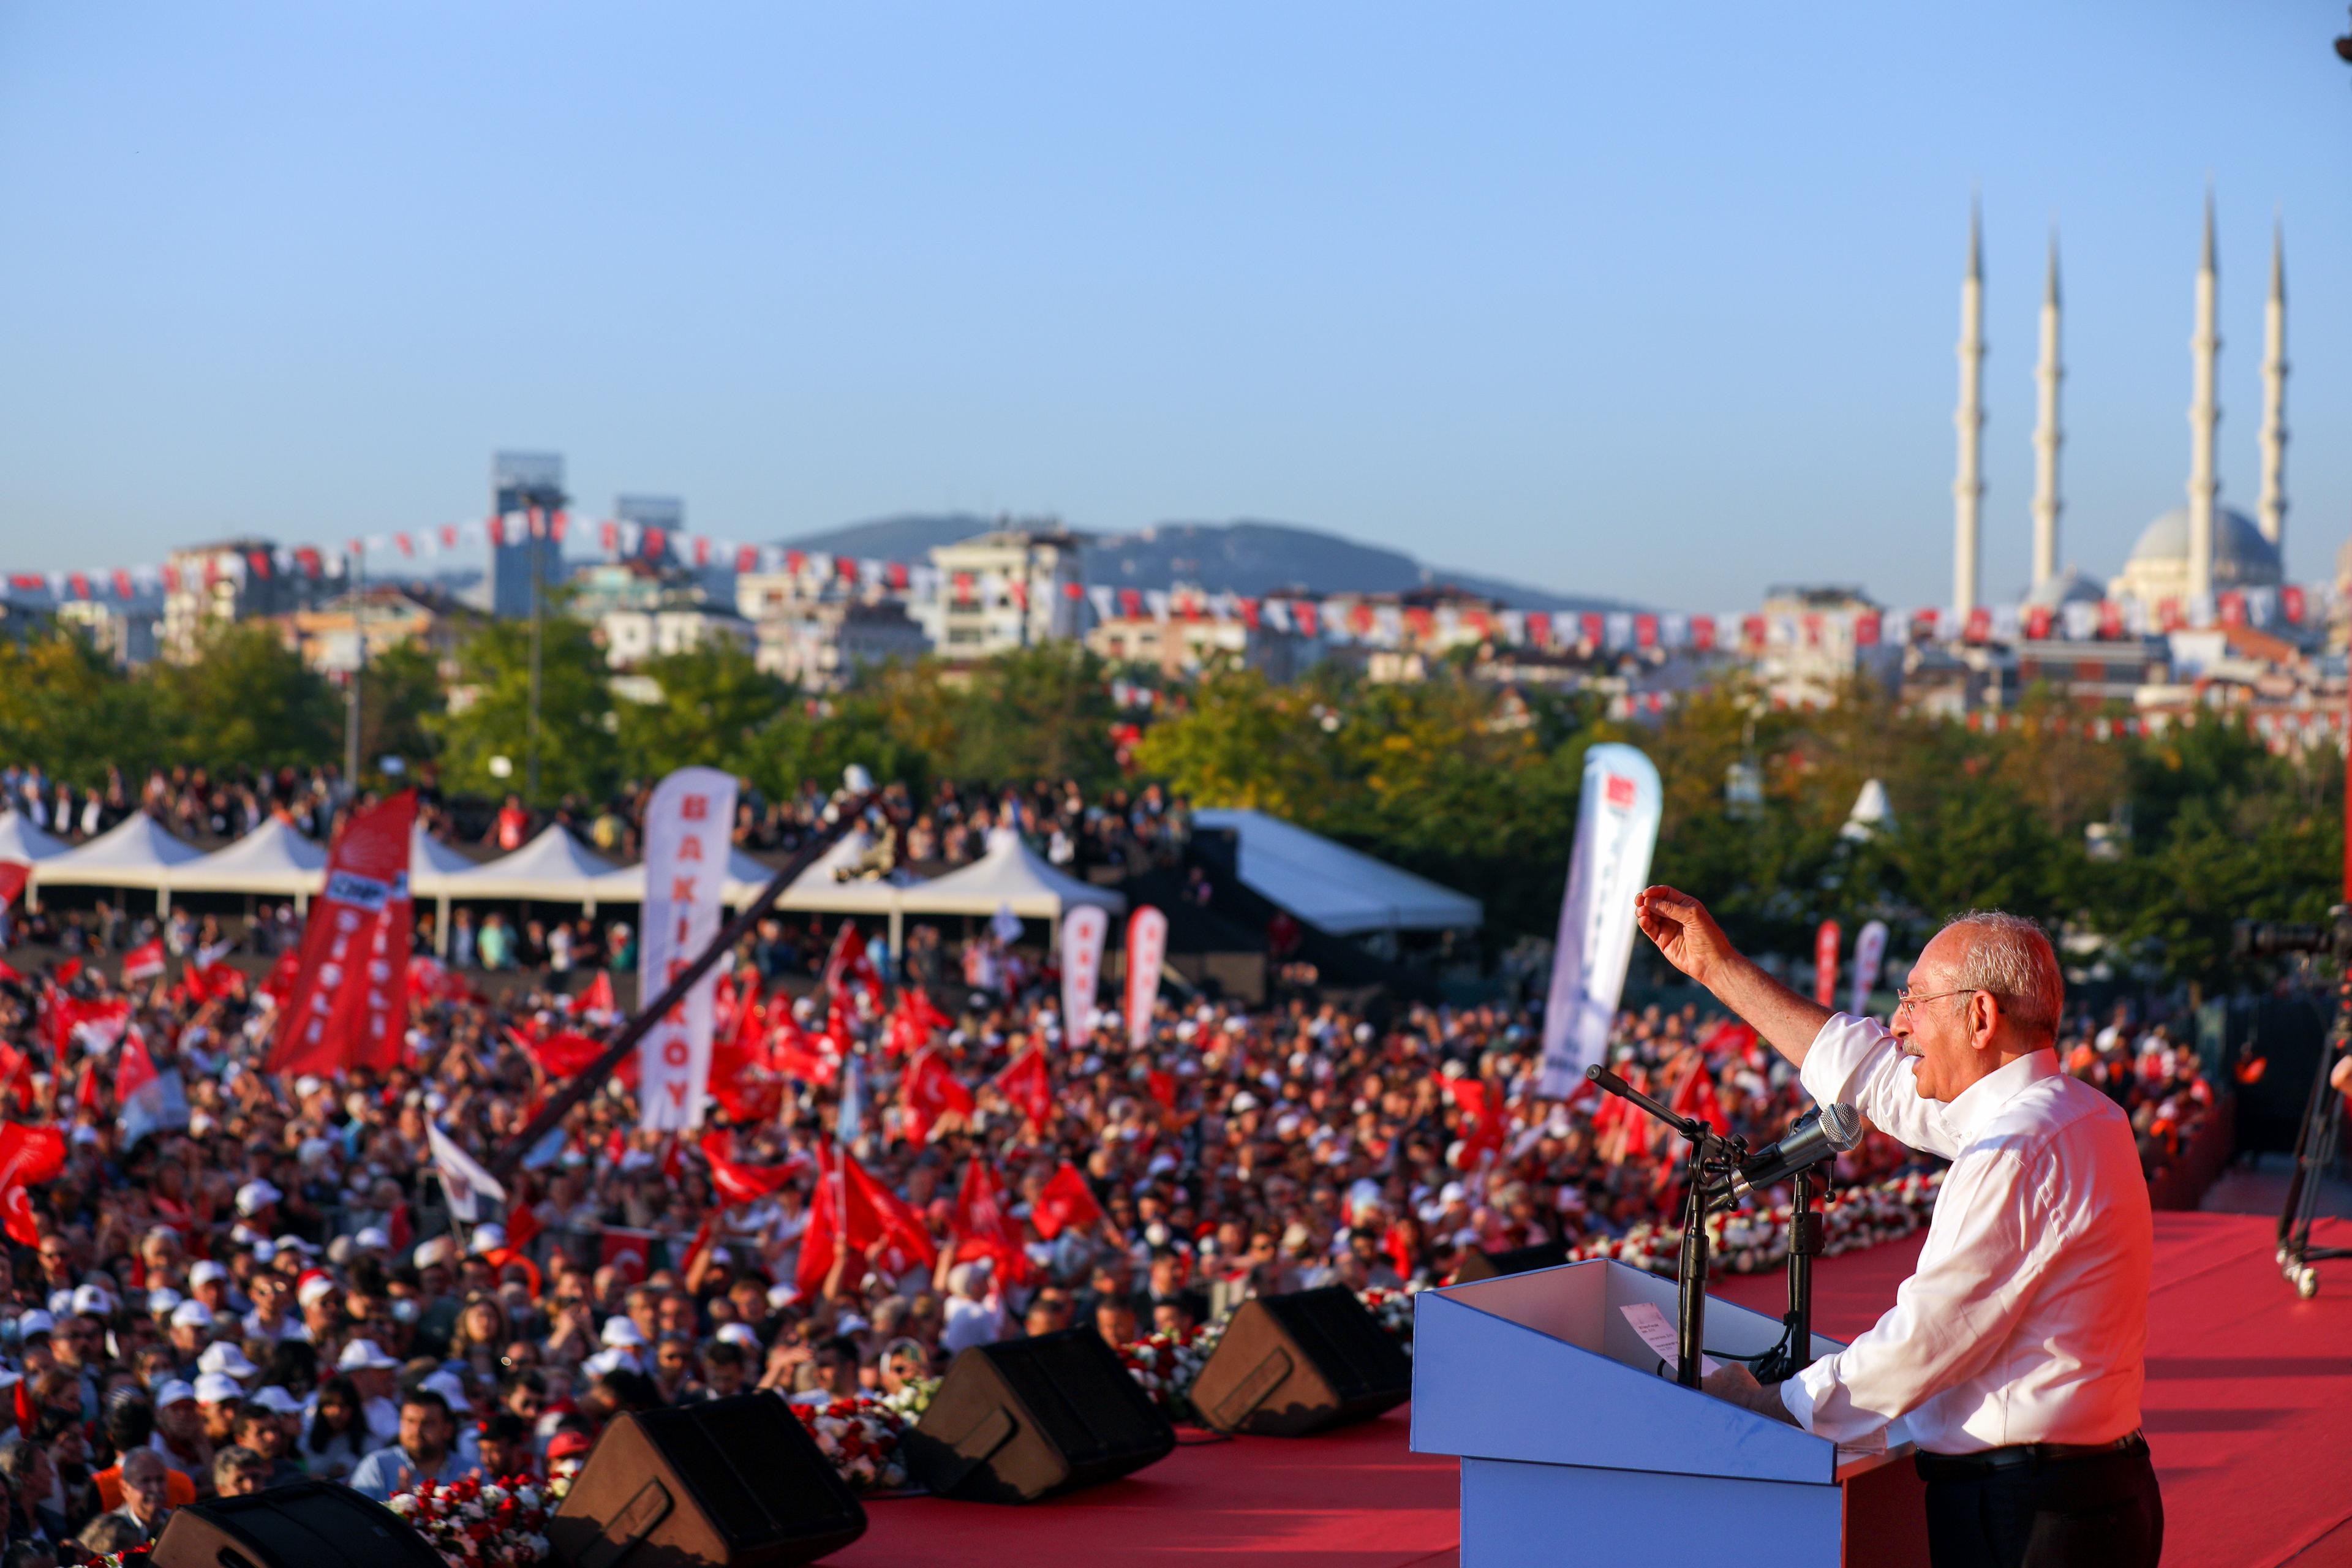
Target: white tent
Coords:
[[272, 858], [431, 864], [745, 878], [20, 840], [1009, 876], [821, 887], [1334, 887], [554, 867], [134, 853]]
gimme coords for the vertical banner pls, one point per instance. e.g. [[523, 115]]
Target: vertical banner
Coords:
[[1086, 930], [686, 837], [349, 1003], [1147, 950], [1869, 953], [1825, 963], [1616, 830]]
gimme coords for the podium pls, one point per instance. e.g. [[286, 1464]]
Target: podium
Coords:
[[1577, 1445]]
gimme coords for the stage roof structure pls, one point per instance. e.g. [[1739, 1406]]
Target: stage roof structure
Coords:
[[1331, 887]]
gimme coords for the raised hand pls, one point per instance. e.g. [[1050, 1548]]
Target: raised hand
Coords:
[[1684, 932]]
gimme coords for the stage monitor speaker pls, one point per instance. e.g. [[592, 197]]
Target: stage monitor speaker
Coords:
[[1023, 1419], [728, 1483], [1289, 1365], [297, 1526], [1477, 1265]]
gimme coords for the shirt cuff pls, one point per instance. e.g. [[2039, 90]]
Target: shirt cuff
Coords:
[[1799, 1400]]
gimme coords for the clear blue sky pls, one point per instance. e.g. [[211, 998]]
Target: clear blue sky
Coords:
[[1656, 301]]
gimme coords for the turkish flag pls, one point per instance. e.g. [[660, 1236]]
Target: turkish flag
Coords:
[[1475, 1098], [279, 984], [904, 1241], [929, 1092], [1026, 1082], [847, 965], [740, 1182], [13, 874], [144, 961], [1161, 1087], [1694, 1096], [597, 999], [1066, 1203], [134, 1069], [981, 1228], [568, 1053], [29, 1157], [792, 1052]]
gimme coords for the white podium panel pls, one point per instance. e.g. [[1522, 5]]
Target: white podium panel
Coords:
[[1578, 1445]]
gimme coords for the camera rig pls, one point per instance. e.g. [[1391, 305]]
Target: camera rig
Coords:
[[2317, 1138]]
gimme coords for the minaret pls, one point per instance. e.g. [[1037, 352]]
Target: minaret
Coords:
[[2205, 349], [2047, 437], [1968, 486], [2272, 512]]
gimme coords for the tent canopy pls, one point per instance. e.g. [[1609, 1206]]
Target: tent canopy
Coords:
[[1334, 887], [820, 887], [432, 863], [272, 858], [20, 840], [745, 878], [134, 853], [554, 867], [1009, 876]]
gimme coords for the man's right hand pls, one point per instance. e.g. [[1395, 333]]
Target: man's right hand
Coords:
[[1684, 932]]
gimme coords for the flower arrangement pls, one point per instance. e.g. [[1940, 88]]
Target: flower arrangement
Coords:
[[1167, 1365], [914, 1397], [473, 1523], [1393, 1309], [1748, 1242], [860, 1438]]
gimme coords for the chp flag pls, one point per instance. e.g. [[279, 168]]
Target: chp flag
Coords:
[[1616, 830], [1084, 931], [688, 825], [463, 1181], [1147, 950], [1869, 953], [349, 1003]]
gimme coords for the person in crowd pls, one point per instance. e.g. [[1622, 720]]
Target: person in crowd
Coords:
[[146, 1500], [426, 1450]]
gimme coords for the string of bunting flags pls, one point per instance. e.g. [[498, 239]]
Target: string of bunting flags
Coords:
[[1378, 621]]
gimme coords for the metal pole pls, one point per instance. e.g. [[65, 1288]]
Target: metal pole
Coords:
[[585, 1083], [357, 576]]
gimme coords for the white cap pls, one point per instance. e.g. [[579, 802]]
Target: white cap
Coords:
[[361, 1355], [315, 1287], [738, 1334], [93, 1300], [781, 1297], [35, 1323], [277, 1401], [214, 1388], [603, 1362], [192, 1315], [371, 1239], [451, 1387], [204, 1270], [295, 1243], [173, 1392], [850, 1323], [305, 1086], [255, 1196], [225, 1358], [621, 1333], [487, 1238], [164, 1299]]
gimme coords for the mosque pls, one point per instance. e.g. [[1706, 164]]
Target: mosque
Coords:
[[2191, 554]]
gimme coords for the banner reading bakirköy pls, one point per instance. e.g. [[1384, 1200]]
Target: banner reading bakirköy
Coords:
[[1616, 828], [1869, 953], [1084, 931], [686, 837], [1147, 950], [349, 1003]]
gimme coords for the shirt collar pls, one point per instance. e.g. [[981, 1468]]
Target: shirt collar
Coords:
[[1978, 1103]]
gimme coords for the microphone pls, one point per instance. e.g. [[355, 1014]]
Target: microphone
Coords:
[[1822, 1133]]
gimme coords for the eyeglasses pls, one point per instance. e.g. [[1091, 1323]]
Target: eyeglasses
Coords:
[[1903, 998]]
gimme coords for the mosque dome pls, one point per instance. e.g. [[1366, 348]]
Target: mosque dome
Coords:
[[2072, 586], [2242, 558]]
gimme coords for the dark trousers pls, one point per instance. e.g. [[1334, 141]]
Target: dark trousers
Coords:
[[2098, 1511]]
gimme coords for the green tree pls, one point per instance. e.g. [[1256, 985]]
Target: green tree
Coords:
[[489, 714], [401, 693], [249, 700], [714, 700], [67, 706]]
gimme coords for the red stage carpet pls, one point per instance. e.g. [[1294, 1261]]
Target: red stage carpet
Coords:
[[2249, 1411]]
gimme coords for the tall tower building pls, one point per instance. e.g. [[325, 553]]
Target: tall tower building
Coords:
[[2271, 512], [1968, 484], [523, 564], [2047, 437], [2204, 419]]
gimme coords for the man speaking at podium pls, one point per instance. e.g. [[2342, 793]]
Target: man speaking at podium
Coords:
[[2015, 1353]]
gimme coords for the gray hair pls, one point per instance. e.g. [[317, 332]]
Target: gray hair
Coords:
[[2011, 957]]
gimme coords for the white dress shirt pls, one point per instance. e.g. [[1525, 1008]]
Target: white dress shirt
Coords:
[[2027, 1319]]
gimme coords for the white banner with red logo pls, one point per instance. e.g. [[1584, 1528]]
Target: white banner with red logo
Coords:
[[1085, 931], [349, 1003], [687, 825], [1869, 953], [1616, 830], [1147, 950]]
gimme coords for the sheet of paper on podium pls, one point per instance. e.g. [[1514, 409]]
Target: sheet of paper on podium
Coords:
[[1649, 1320]]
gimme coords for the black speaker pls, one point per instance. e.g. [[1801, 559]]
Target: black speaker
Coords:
[[729, 1483], [296, 1526], [1023, 1419], [1477, 1265], [1289, 1365]]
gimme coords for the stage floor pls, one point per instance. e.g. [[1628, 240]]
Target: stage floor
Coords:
[[2249, 1411]]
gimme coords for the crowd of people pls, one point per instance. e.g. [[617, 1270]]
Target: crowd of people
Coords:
[[279, 1286]]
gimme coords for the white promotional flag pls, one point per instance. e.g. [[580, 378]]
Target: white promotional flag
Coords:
[[1616, 828], [1085, 929], [1869, 953], [687, 836], [463, 1181], [1147, 950]]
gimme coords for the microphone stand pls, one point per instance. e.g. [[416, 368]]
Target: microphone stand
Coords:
[[1714, 1158], [1807, 1236]]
